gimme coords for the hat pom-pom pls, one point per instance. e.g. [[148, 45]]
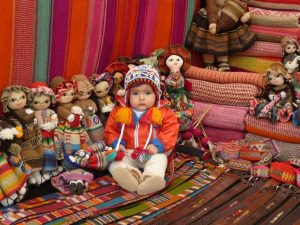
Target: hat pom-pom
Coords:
[[187, 135], [123, 115]]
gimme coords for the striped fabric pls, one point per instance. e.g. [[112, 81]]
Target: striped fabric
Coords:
[[223, 135], [233, 94], [276, 4], [264, 49], [43, 39], [224, 77]]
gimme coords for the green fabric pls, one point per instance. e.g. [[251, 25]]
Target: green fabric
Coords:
[[42, 42], [190, 15]]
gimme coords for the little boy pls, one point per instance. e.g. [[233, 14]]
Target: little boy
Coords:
[[141, 124]]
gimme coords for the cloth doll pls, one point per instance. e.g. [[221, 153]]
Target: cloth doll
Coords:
[[14, 172], [42, 98], [218, 30], [90, 121], [15, 100], [144, 130], [118, 71], [103, 84], [174, 62], [277, 96]]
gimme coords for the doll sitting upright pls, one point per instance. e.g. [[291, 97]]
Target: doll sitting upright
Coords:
[[144, 130], [276, 102]]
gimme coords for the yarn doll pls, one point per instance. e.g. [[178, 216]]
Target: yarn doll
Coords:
[[90, 121], [15, 99], [220, 29], [277, 96], [103, 84], [173, 62], [144, 130], [118, 71], [42, 98], [14, 172]]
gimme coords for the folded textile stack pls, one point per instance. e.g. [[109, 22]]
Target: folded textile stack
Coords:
[[271, 20], [222, 123], [224, 88]]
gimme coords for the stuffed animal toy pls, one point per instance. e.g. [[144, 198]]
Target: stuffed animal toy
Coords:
[[90, 121], [277, 96], [15, 100], [220, 29], [103, 84], [173, 63], [14, 172], [118, 71], [42, 98]]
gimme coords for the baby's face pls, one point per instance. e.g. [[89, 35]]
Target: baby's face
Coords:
[[142, 97]]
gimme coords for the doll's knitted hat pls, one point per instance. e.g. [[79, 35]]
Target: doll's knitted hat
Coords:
[[97, 78], [42, 88], [143, 74]]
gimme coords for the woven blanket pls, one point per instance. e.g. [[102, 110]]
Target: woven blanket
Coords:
[[263, 48], [279, 131], [274, 34], [281, 5], [286, 150], [221, 116], [281, 1], [253, 64], [143, 211], [223, 135], [269, 12], [103, 194], [224, 77], [273, 20], [233, 94]]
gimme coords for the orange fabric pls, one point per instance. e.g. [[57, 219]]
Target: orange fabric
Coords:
[[125, 34], [6, 29], [77, 37], [163, 27], [167, 133]]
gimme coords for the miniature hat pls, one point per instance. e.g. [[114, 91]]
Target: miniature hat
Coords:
[[97, 78], [42, 88], [117, 67]]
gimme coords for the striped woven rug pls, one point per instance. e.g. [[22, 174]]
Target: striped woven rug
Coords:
[[105, 197]]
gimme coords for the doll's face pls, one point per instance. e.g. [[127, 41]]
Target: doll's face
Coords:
[[102, 89], [276, 79], [84, 94], [290, 48], [174, 63], [142, 97], [17, 100], [118, 77], [67, 96], [41, 102]]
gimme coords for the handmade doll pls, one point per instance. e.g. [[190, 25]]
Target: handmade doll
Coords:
[[14, 172], [102, 84], [290, 55], [144, 130], [174, 62], [277, 96], [90, 121], [118, 71], [218, 30], [42, 98], [14, 100]]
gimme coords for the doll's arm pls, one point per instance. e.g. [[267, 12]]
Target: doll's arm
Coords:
[[169, 132], [52, 123]]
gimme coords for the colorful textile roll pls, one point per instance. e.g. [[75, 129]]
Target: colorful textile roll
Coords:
[[223, 135], [260, 171], [232, 116], [283, 172], [234, 94], [250, 154], [225, 77], [263, 48], [228, 150], [240, 164]]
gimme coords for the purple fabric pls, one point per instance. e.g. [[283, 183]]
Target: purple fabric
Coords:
[[180, 9]]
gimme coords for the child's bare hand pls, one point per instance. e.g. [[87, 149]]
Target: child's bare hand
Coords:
[[152, 149], [122, 148]]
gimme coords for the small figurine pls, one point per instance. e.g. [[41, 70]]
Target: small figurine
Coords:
[[118, 71], [220, 29], [290, 54], [277, 96]]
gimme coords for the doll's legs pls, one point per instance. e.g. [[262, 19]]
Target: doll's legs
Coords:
[[125, 173], [153, 177], [223, 63], [209, 61]]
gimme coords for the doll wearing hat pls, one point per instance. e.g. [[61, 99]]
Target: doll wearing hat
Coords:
[[220, 29], [144, 130]]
